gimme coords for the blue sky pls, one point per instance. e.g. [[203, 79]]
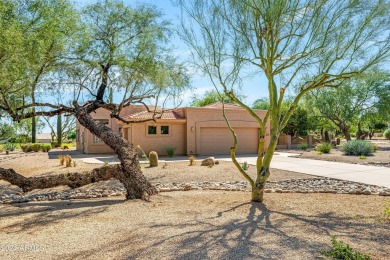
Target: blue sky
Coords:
[[252, 88]]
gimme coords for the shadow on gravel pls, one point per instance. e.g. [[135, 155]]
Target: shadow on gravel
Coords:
[[261, 234], [245, 231], [47, 213]]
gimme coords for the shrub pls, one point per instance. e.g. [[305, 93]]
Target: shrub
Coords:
[[303, 146], [341, 250], [35, 147], [192, 160], [170, 151], [9, 147], [153, 159], [324, 148], [245, 166], [386, 133], [387, 210], [45, 147], [25, 148], [358, 147]]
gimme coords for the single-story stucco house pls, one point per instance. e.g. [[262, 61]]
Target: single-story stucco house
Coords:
[[189, 130], [43, 138]]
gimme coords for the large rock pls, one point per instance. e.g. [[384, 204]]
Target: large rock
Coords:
[[208, 161]]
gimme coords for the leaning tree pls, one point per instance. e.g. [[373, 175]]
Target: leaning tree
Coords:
[[298, 44], [86, 56]]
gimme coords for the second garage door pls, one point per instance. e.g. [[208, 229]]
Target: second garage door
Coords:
[[218, 140]]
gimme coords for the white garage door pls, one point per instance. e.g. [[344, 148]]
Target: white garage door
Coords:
[[218, 140]]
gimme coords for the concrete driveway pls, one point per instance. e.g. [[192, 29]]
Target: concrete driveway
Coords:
[[372, 175]]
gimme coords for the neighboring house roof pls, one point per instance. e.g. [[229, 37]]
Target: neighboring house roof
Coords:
[[144, 115], [219, 105], [43, 136]]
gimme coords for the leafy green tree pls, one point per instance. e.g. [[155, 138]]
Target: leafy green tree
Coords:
[[304, 45], [210, 97], [355, 101], [298, 124], [6, 131], [108, 45]]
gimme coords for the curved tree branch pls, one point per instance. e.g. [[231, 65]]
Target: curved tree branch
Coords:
[[73, 180]]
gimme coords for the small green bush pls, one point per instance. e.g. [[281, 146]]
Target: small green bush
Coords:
[[26, 148], [10, 147], [358, 147], [45, 147], [387, 210], [170, 151], [341, 250], [303, 146], [324, 148], [35, 147], [386, 133], [245, 166]]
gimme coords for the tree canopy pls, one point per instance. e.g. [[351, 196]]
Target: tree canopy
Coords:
[[86, 56], [355, 101], [299, 45]]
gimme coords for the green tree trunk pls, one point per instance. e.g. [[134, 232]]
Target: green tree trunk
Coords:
[[263, 171]]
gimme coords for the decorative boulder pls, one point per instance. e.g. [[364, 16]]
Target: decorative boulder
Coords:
[[208, 161]]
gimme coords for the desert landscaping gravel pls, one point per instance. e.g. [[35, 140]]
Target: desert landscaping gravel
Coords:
[[379, 158], [195, 225], [200, 213]]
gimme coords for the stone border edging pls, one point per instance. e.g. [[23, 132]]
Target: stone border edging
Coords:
[[311, 185]]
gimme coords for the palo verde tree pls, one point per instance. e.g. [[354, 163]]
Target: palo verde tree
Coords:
[[113, 46], [299, 44]]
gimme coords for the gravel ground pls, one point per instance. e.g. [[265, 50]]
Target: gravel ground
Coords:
[[194, 225], [37, 164], [380, 158]]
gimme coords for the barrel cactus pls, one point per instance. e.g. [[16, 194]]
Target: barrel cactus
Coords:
[[153, 159]]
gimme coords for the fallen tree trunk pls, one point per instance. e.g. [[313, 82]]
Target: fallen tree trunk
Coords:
[[73, 180]]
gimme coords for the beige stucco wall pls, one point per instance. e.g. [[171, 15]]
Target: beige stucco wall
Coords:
[[184, 134], [198, 117], [137, 135], [86, 143]]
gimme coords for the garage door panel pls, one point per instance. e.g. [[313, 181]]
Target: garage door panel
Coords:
[[218, 140]]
